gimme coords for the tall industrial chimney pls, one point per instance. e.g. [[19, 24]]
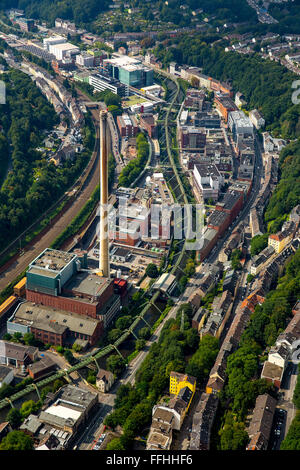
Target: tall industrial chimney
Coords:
[[104, 256]]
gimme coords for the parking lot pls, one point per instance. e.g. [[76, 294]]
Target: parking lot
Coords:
[[98, 442]]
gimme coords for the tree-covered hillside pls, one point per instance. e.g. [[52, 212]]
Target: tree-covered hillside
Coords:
[[81, 11], [86, 11], [287, 193], [33, 183], [265, 84], [288, 15]]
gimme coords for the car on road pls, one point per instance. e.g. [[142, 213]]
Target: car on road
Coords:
[[99, 442], [274, 445]]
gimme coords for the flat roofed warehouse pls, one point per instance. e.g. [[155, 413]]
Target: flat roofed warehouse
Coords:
[[40, 319], [229, 200], [166, 283], [217, 218], [70, 407]]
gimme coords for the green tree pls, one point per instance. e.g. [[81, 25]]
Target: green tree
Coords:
[[6, 390], [258, 243], [144, 333], [57, 384], [77, 347], [114, 334], [123, 322], [14, 417], [140, 344], [296, 396], [29, 407], [114, 110], [69, 356], [7, 337], [91, 378], [16, 440], [115, 444], [17, 337], [115, 364], [292, 439], [152, 270], [202, 361], [182, 283], [29, 339], [235, 257], [233, 434]]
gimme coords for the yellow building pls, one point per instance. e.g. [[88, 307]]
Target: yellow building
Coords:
[[179, 381], [279, 240]]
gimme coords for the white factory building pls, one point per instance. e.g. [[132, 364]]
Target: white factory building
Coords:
[[64, 50], [52, 41], [208, 180]]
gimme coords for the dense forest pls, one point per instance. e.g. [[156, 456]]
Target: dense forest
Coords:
[[81, 11], [287, 192], [33, 184], [86, 11], [288, 15], [235, 11]]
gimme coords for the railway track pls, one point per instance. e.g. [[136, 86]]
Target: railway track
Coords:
[[175, 270]]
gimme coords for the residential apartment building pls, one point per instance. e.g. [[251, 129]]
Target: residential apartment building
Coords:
[[104, 380], [179, 381], [261, 423], [257, 119], [225, 105], [280, 240]]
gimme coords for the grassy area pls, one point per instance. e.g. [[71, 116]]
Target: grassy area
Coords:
[[161, 318], [132, 100], [132, 356]]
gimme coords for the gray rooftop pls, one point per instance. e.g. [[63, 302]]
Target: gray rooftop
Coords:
[[54, 319], [54, 260], [31, 424], [42, 364], [4, 371], [87, 283]]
